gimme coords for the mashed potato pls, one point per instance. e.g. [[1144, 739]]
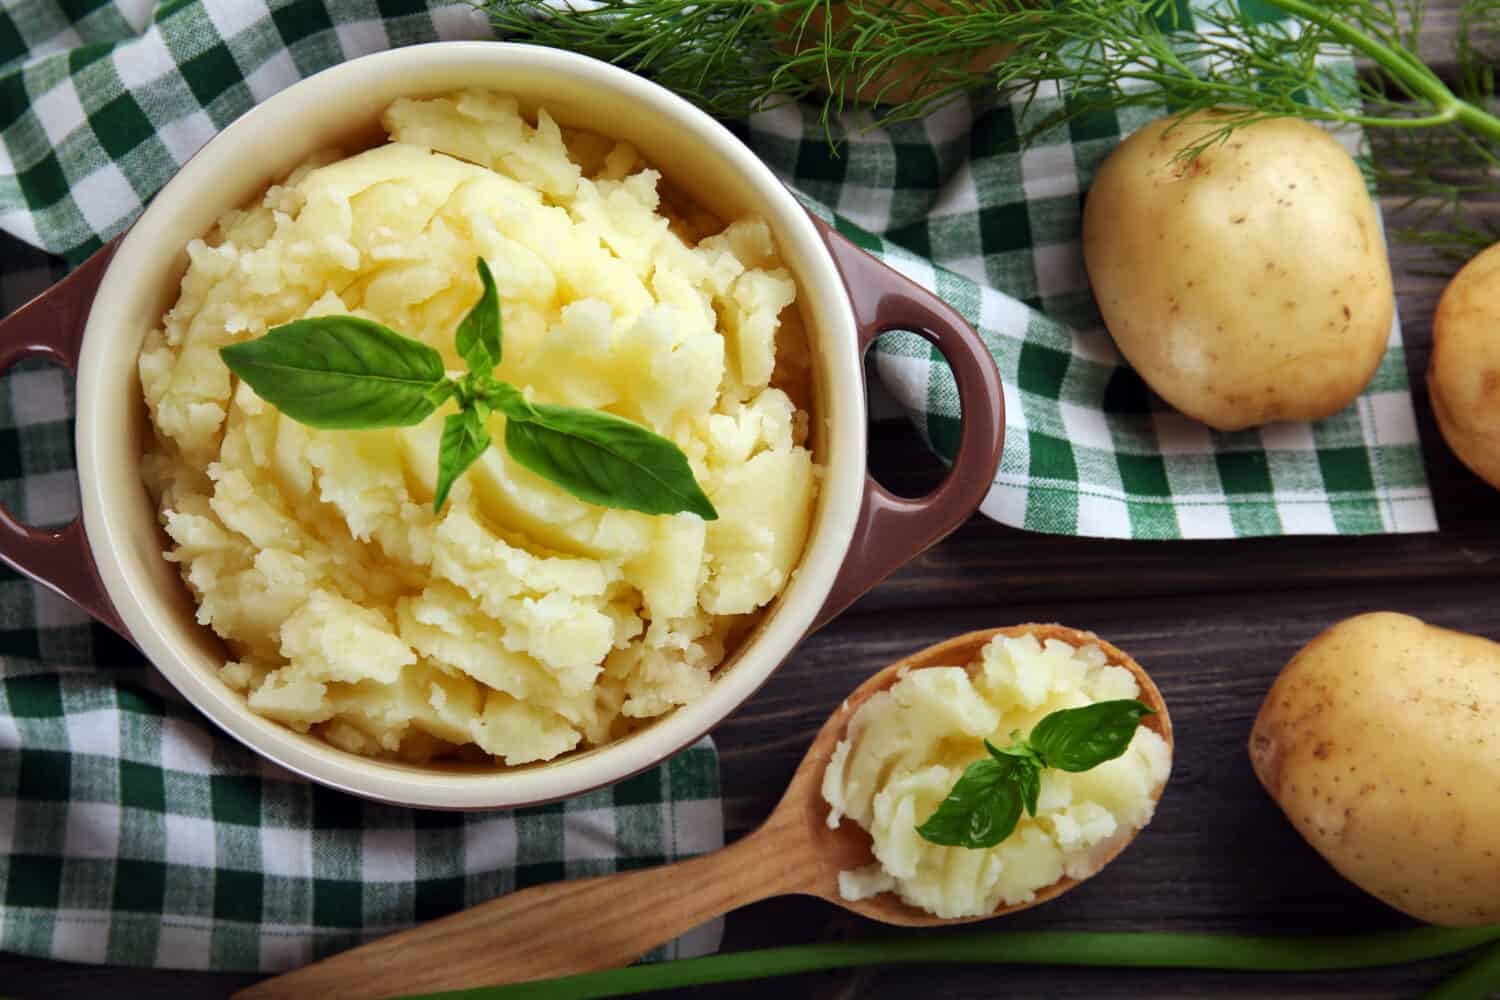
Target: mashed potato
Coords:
[[520, 622], [906, 747]]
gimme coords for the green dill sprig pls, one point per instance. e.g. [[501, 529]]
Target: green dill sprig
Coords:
[[720, 54], [1445, 183], [1439, 141]]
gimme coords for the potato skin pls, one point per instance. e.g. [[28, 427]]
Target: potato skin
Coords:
[[1248, 285], [1463, 375], [1379, 742]]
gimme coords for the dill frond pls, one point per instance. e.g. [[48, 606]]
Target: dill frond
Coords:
[[1446, 181], [719, 54], [1437, 146]]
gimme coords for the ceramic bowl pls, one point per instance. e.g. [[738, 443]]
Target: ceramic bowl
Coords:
[[110, 562]]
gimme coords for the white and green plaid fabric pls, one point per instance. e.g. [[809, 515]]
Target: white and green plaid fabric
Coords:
[[100, 102], [132, 832], [955, 203]]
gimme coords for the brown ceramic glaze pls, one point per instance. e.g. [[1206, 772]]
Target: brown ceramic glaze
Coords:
[[891, 530], [51, 327], [585, 925]]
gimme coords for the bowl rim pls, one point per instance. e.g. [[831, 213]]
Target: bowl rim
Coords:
[[841, 487]]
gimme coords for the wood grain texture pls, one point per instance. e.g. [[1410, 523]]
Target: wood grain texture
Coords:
[[1211, 621], [564, 928]]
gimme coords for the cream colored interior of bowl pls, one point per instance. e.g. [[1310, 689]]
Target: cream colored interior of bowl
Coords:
[[339, 107]]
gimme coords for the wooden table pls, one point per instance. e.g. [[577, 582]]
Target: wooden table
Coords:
[[1211, 621]]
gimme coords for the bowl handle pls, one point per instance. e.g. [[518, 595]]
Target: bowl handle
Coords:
[[51, 326], [892, 530]]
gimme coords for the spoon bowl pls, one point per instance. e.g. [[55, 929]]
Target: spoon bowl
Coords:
[[585, 925], [848, 846]]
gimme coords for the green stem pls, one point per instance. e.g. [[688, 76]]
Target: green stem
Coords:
[[1416, 76], [1479, 120], [1477, 981], [1088, 948], [1426, 121]]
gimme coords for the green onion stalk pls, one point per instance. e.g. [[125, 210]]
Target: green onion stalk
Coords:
[[1478, 981], [1308, 953]]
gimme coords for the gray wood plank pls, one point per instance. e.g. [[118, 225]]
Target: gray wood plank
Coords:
[[1218, 857]]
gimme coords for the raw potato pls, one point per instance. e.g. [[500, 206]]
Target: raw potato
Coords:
[[1248, 285], [1463, 376], [1379, 742]]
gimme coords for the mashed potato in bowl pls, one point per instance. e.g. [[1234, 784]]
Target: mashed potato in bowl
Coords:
[[519, 623]]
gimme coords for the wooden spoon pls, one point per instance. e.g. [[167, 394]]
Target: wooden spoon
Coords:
[[598, 923]]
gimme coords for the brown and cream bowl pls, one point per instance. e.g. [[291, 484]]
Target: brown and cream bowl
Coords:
[[110, 561]]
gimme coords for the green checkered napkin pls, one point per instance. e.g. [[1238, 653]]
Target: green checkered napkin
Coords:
[[131, 830], [957, 205], [129, 91], [134, 833]]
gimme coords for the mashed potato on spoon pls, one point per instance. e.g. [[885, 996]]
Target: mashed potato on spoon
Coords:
[[520, 622], [907, 746]]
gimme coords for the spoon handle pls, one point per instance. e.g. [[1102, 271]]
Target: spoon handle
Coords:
[[551, 930]]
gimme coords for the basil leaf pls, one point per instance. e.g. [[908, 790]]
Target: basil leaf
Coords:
[[440, 393], [341, 372], [1029, 778], [602, 459], [478, 336], [465, 437], [1019, 748], [1076, 739], [508, 400], [983, 807]]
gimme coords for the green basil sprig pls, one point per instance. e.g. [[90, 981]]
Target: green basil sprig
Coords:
[[986, 802], [343, 373]]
